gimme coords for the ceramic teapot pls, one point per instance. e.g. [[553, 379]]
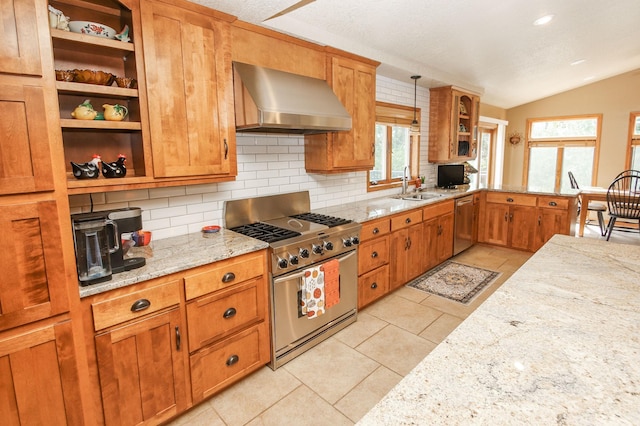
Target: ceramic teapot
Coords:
[[115, 112], [84, 111]]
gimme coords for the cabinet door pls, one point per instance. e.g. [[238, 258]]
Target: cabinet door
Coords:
[[37, 374], [495, 227], [34, 284], [550, 222], [189, 82], [19, 50], [445, 237], [414, 259], [522, 227], [25, 159], [141, 367], [430, 229], [373, 285], [398, 258], [354, 83]]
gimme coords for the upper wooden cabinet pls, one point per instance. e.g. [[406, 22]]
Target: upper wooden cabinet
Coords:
[[20, 49], [190, 89], [453, 125], [353, 80]]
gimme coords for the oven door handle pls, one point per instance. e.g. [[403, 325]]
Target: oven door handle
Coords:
[[301, 273]]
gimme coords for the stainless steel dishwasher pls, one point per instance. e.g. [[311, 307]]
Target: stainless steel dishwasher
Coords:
[[463, 224]]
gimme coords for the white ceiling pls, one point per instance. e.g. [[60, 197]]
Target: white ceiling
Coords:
[[489, 46]]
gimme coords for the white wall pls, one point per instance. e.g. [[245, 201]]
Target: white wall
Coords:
[[267, 164]]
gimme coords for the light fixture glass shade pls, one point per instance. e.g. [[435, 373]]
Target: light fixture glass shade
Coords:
[[415, 126]]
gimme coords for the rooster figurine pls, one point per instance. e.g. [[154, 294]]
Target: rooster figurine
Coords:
[[90, 170], [115, 169]]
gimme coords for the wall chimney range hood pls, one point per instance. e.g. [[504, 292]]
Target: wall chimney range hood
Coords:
[[272, 101]]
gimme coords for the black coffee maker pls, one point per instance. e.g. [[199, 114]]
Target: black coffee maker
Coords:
[[128, 220]]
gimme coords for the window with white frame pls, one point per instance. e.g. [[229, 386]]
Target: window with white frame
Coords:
[[560, 145]]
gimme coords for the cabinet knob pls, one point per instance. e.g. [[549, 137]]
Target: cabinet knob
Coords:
[[140, 305], [553, 203], [233, 359], [509, 200], [374, 254], [228, 277], [374, 285], [375, 231], [407, 220], [229, 313]]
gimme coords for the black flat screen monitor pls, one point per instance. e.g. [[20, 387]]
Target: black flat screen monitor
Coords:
[[450, 175]]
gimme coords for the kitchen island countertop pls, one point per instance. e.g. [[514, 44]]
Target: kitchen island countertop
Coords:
[[557, 343]]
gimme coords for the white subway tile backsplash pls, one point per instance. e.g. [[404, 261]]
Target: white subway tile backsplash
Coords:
[[172, 191], [185, 200], [125, 196], [168, 212]]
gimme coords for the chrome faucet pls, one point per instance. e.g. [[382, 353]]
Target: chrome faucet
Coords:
[[405, 180]]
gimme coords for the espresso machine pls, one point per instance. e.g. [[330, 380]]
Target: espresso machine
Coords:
[[128, 220]]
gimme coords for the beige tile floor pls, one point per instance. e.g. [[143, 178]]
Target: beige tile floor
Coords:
[[341, 379]]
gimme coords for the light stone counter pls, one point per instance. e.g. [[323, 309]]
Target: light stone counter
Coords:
[[557, 343], [170, 255]]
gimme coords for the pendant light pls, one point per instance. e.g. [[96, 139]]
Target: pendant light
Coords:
[[415, 126]]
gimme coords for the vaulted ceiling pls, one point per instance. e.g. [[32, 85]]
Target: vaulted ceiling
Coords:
[[488, 46]]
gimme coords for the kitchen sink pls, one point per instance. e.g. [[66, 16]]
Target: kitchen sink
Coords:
[[418, 196]]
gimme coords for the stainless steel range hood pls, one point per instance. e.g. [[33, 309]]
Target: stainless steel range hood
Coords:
[[272, 101]]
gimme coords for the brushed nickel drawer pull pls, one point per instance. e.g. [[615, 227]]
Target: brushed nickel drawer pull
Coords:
[[233, 359], [228, 277], [229, 313], [374, 254], [140, 305], [374, 285]]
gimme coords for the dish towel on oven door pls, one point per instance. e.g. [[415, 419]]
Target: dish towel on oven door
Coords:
[[320, 288]]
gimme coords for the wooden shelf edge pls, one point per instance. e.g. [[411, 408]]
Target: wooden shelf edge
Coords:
[[71, 123], [87, 186], [68, 37], [73, 88]]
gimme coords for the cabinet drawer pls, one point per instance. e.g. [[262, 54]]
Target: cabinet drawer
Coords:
[[560, 203], [215, 316], [373, 254], [512, 198], [406, 219], [374, 228], [224, 274], [438, 209], [219, 365], [136, 304], [373, 285]]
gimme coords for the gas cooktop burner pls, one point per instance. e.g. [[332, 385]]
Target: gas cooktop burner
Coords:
[[329, 221], [265, 232]]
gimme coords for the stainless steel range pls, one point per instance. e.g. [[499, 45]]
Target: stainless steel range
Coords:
[[314, 268]]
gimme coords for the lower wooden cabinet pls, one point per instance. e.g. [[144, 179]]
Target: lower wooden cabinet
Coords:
[[373, 261], [38, 377], [406, 247], [525, 221], [142, 373]]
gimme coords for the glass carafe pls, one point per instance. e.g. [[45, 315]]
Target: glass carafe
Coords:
[[93, 249]]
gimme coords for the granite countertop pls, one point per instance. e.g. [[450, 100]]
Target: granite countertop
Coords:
[[557, 343], [175, 254]]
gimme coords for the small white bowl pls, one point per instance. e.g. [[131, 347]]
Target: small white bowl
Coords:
[[92, 28]]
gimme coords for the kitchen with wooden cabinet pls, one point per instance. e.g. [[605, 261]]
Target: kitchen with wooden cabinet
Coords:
[[145, 352]]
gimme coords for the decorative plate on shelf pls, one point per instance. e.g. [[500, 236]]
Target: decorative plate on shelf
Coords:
[[92, 28]]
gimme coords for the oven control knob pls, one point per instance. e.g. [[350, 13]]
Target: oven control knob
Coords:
[[346, 242], [328, 245], [304, 253], [316, 249], [293, 259], [282, 263], [355, 240]]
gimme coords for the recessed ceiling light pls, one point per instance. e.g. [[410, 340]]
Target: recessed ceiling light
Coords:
[[578, 62], [544, 20]]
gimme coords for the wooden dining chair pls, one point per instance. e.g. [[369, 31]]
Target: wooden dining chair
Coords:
[[628, 173], [594, 206], [623, 200]]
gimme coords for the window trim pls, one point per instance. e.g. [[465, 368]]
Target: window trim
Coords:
[[562, 142], [389, 114], [633, 139]]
